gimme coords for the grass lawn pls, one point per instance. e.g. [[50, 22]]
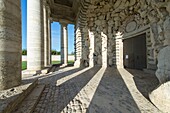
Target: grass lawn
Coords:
[[55, 62], [24, 63], [70, 61], [58, 62]]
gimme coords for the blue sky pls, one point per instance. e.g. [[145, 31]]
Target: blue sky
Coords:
[[55, 31]]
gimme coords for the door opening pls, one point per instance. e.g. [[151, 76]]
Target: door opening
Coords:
[[134, 52]]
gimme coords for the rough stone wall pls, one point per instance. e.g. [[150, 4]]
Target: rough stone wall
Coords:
[[112, 17], [81, 40], [117, 19]]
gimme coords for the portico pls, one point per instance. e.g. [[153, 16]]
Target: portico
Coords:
[[105, 34]]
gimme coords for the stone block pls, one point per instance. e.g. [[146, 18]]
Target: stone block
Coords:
[[163, 71], [160, 97]]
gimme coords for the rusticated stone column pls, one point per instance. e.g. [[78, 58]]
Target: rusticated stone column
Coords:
[[10, 43], [104, 50], [64, 44], [35, 39], [91, 49], [78, 46]]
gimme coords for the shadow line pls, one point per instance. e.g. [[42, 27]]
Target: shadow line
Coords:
[[58, 97], [144, 82], [112, 95]]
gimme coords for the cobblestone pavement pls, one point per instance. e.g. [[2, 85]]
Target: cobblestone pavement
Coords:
[[96, 90]]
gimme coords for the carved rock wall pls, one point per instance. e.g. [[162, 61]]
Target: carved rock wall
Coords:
[[118, 18], [115, 19]]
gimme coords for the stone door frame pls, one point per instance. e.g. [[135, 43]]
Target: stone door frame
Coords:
[[119, 45]]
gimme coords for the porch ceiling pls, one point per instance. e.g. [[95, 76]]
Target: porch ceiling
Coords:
[[64, 10]]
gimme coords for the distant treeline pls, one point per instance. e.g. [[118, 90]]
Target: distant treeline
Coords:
[[53, 52]]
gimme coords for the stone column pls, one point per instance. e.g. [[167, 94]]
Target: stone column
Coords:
[[78, 46], [45, 12], [119, 53], [75, 56], [104, 50], [91, 49], [35, 35], [10, 44], [49, 35], [64, 44]]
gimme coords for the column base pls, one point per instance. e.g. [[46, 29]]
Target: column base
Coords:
[[35, 72], [64, 65], [78, 63]]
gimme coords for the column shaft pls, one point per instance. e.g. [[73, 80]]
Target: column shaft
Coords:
[[104, 50], [64, 44], [45, 33], [91, 49], [78, 46], [10, 44], [49, 38], [35, 39]]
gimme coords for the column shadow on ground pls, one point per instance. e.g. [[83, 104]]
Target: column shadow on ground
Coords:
[[112, 95], [63, 94], [144, 82], [52, 78]]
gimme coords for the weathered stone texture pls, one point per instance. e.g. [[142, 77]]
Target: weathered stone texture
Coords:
[[121, 19], [163, 71], [160, 97], [115, 18], [10, 44]]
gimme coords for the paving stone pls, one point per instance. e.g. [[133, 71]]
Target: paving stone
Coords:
[[98, 90]]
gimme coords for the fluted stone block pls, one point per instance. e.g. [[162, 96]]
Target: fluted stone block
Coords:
[[10, 43], [35, 33]]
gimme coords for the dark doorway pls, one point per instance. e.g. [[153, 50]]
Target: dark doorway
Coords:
[[134, 52]]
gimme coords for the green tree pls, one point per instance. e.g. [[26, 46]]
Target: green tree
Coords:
[[24, 52], [58, 52], [53, 52]]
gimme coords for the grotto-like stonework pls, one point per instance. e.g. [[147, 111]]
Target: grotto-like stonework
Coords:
[[120, 20], [105, 24]]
